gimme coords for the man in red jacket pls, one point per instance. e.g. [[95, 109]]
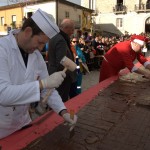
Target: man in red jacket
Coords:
[[123, 55]]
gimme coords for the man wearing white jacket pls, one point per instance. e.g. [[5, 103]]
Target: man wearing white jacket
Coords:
[[21, 64]]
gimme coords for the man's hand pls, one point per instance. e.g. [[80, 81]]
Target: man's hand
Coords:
[[54, 80], [144, 72], [146, 75], [71, 122]]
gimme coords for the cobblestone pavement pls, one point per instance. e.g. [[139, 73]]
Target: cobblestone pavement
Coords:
[[114, 120], [90, 79]]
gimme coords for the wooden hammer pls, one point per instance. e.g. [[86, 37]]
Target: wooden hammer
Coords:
[[69, 65]]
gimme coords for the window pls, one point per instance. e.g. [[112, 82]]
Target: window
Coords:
[[67, 14], [119, 22], [79, 18], [29, 14], [13, 24], [119, 1], [14, 18], [2, 21], [92, 4], [148, 20]]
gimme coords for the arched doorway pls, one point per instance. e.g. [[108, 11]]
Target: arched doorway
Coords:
[[147, 25]]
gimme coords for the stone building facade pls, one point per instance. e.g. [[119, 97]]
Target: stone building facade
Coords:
[[119, 16]]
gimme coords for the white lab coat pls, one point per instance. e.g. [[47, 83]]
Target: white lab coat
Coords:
[[19, 86]]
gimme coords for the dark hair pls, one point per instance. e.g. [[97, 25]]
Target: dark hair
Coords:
[[30, 23]]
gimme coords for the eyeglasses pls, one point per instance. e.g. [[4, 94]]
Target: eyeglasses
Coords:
[[75, 41]]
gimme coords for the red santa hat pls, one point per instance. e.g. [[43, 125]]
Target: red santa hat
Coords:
[[138, 39]]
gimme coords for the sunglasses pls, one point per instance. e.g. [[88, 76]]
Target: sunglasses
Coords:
[[75, 41]]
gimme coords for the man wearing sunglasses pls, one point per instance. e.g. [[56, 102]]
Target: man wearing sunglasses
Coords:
[[80, 60]]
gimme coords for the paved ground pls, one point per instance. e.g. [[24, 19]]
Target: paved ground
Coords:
[[90, 79]]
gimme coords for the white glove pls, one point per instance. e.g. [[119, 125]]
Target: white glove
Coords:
[[70, 122], [54, 80], [147, 76]]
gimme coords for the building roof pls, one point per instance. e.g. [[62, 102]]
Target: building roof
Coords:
[[108, 29]]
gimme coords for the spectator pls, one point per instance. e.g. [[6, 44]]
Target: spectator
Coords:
[[80, 60], [95, 43], [59, 46]]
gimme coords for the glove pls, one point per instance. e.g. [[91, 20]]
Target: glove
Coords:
[[147, 76], [70, 122], [54, 80]]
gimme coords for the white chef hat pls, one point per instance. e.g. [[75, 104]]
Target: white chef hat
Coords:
[[46, 23]]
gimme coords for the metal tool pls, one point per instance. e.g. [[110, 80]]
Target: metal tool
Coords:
[[72, 132]]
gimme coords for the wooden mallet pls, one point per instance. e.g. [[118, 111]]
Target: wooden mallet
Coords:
[[69, 65]]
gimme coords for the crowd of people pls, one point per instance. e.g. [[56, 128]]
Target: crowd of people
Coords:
[[26, 78], [88, 51]]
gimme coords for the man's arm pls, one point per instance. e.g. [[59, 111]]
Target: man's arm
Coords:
[[147, 66], [144, 72], [55, 102]]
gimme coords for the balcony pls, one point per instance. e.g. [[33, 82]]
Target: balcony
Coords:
[[139, 8], [120, 9], [94, 13]]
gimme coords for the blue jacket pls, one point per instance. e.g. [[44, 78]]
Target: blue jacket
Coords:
[[80, 54]]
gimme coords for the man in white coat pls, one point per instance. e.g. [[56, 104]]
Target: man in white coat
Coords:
[[21, 63]]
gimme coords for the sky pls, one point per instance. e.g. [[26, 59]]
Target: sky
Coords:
[[3, 2], [75, 1], [8, 2]]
